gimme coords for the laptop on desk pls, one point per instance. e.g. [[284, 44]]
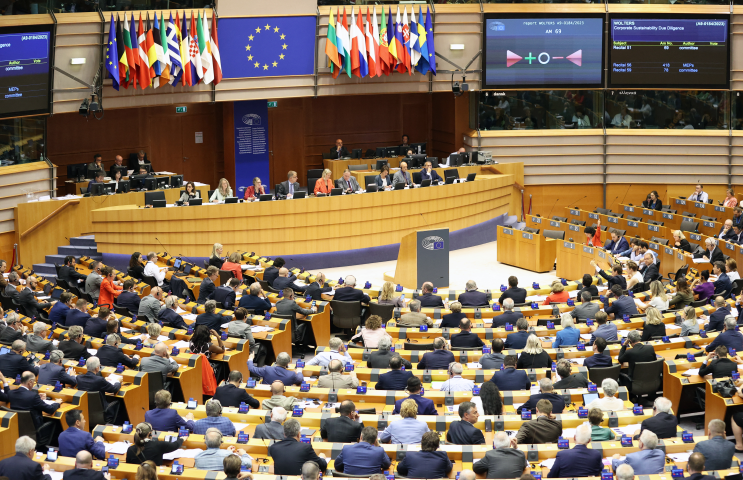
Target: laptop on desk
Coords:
[[195, 201], [471, 177], [450, 180], [426, 183], [299, 195], [159, 203], [336, 191]]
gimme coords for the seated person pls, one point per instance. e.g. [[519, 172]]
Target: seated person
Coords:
[[598, 359], [599, 433], [586, 309], [603, 329], [545, 428], [504, 460], [569, 335], [456, 383], [494, 359], [428, 173], [363, 458], [214, 419], [518, 295], [324, 185], [428, 298], [466, 338], [510, 378], [579, 461], [166, 419], [425, 405], [255, 190], [471, 297], [718, 364], [517, 340], [96, 166], [558, 295], [609, 402], [99, 176], [408, 430], [534, 356], [647, 461], [348, 182], [567, 378], [414, 318], [428, 462], [663, 423], [546, 393], [396, 378], [256, 301], [508, 315], [439, 359], [464, 432]]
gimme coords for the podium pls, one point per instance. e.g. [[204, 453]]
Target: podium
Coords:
[[526, 250], [423, 257]]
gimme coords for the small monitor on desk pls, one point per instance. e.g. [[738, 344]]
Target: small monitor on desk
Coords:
[[109, 187], [265, 197], [150, 183], [95, 189], [393, 151], [76, 171], [124, 186], [162, 182], [356, 153], [91, 172], [117, 168], [176, 181], [336, 191], [158, 203], [195, 201], [230, 200], [418, 147], [299, 195], [380, 164], [416, 161], [380, 152]]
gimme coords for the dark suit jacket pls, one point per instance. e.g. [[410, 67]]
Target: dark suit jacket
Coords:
[[111, 356], [436, 360], [723, 285], [663, 424], [379, 359], [82, 474], [287, 282], [638, 353], [289, 455], [506, 317], [430, 300], [464, 433], [579, 461], [473, 299], [350, 294], [255, 303], [575, 380], [95, 327], [717, 255], [466, 339], [511, 379], [335, 154], [70, 275], [516, 340], [315, 291], [623, 305], [29, 302], [717, 319], [597, 361], [128, 300], [20, 467], [90, 382], [231, 396], [620, 246], [133, 161], [13, 364], [425, 405], [340, 430], [270, 274], [205, 290], [76, 317], [558, 404], [283, 188], [9, 335], [730, 234], [393, 380], [650, 273], [30, 401], [74, 350], [225, 295], [168, 316], [517, 294], [212, 320], [719, 367], [612, 280], [451, 320], [434, 177], [50, 374]]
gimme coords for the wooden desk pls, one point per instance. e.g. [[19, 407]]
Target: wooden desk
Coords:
[[338, 166], [8, 434], [574, 259], [72, 399], [719, 408], [525, 250], [480, 170]]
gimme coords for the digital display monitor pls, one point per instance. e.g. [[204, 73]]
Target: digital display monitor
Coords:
[[543, 51], [25, 67], [664, 51]]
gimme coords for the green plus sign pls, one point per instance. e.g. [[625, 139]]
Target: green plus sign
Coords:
[[530, 58]]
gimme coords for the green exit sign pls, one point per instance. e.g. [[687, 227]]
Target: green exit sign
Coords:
[[180, 109], [273, 104]]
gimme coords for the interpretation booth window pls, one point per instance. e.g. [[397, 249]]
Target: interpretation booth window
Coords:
[[22, 140], [651, 109], [527, 110]]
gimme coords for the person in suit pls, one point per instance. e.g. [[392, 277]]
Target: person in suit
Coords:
[[579, 461], [324, 185], [277, 398], [425, 405], [508, 315], [718, 452], [118, 162], [343, 429], [284, 281], [210, 318], [616, 279], [617, 244], [414, 318], [68, 273], [137, 160], [256, 300], [451, 320], [290, 454], [15, 330], [52, 372], [231, 395], [273, 430], [213, 458], [335, 378], [471, 297], [381, 357], [384, 179], [315, 289], [159, 361], [546, 392], [517, 340], [695, 467], [463, 432], [76, 439], [110, 356], [723, 285], [96, 326], [91, 381], [510, 378], [718, 364], [396, 378], [255, 190], [166, 419], [712, 253], [363, 458], [96, 166], [428, 299], [94, 280], [11, 290], [38, 342], [277, 372], [240, 327], [428, 173], [503, 461], [634, 351], [28, 301], [128, 298], [737, 236], [545, 428], [27, 399], [439, 359], [729, 337], [429, 461], [466, 338], [339, 151], [84, 469], [287, 188], [348, 182], [653, 202], [598, 359], [402, 175], [567, 378], [408, 429], [288, 306], [226, 294], [208, 284], [650, 270], [494, 359], [22, 466], [74, 346], [586, 309], [168, 315], [622, 304], [347, 293], [13, 363], [270, 274], [726, 231], [663, 423], [648, 460]]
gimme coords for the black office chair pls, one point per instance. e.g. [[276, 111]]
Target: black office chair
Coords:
[[689, 214], [680, 273], [122, 311], [225, 276], [709, 219], [209, 196], [346, 315], [580, 223], [363, 166], [369, 180], [556, 234], [384, 311], [634, 219], [151, 281], [417, 178], [25, 422], [150, 197], [687, 226], [418, 346], [155, 385], [617, 231], [648, 378], [597, 375], [659, 241]]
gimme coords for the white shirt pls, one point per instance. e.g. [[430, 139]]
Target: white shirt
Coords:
[[607, 404], [152, 270], [702, 197], [733, 276]]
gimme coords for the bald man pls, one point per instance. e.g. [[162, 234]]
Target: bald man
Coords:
[[159, 361], [284, 280], [84, 469], [277, 398]]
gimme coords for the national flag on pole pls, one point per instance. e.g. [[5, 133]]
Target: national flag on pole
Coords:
[[132, 56], [422, 65], [331, 48], [384, 50], [346, 41], [415, 49], [406, 40], [185, 53], [355, 65], [371, 54], [151, 53], [205, 50], [121, 54], [357, 36], [390, 40], [143, 72], [399, 44], [161, 46], [429, 41], [216, 59], [197, 71], [375, 42], [393, 43], [112, 54], [174, 50]]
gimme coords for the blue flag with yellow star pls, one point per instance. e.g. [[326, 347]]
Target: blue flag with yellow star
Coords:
[[112, 55], [267, 46]]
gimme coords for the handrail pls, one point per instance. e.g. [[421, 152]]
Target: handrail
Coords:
[[493, 169], [49, 217]]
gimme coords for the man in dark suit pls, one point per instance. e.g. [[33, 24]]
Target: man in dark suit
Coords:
[[637, 352], [164, 418], [718, 364], [579, 461], [11, 289], [546, 392], [695, 467], [396, 378], [466, 338], [28, 300], [464, 432], [29, 400], [428, 173], [84, 469], [96, 326], [508, 315], [339, 151], [381, 358], [348, 293], [15, 330], [270, 274], [425, 405], [737, 236], [616, 244], [231, 395], [439, 359], [616, 279], [210, 318], [169, 315], [79, 315], [726, 231], [290, 453], [208, 284], [317, 288], [717, 319], [712, 253], [288, 187], [729, 337], [567, 378], [622, 304], [343, 429], [510, 378], [662, 423], [128, 298], [68, 273], [514, 292], [256, 300], [650, 270], [138, 159], [494, 359], [723, 285], [471, 297], [226, 294], [427, 298], [91, 381], [22, 466], [284, 280], [53, 372], [58, 313], [110, 356], [13, 363], [517, 340], [74, 346], [598, 359], [76, 438], [452, 319], [118, 162]]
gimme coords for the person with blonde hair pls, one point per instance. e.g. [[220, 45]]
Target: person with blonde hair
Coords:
[[680, 241], [534, 355], [654, 326], [223, 192], [558, 295], [216, 257], [569, 335], [730, 200], [408, 430], [387, 296], [690, 325], [325, 184], [658, 298], [453, 319]]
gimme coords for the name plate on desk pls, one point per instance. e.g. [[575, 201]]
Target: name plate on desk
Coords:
[[680, 202], [528, 236], [602, 254], [594, 216], [588, 250], [568, 245], [653, 228], [699, 204], [668, 216], [708, 224], [668, 250], [613, 220], [646, 211], [695, 236], [687, 219], [654, 246], [574, 212], [536, 219], [508, 231], [630, 223], [681, 256], [629, 209], [574, 228], [729, 246], [719, 208], [740, 250], [554, 224]]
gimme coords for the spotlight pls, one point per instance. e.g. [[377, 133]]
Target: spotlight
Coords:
[[84, 108]]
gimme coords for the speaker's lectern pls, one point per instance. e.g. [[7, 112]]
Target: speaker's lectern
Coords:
[[423, 257]]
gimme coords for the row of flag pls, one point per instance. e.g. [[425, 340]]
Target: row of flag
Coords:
[[163, 52], [376, 50]]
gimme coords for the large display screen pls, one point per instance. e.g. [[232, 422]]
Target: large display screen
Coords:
[[668, 51], [25, 70], [543, 51]]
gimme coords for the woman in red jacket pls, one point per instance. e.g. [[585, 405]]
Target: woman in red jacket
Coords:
[[109, 290], [252, 192], [233, 265], [324, 184], [558, 295], [593, 235]]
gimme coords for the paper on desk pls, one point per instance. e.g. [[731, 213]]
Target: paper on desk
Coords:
[[679, 457], [181, 344], [307, 379], [585, 336], [49, 402], [568, 433], [627, 429], [182, 453], [189, 316], [487, 320], [164, 173], [113, 379], [517, 405], [623, 333], [602, 288], [436, 385], [700, 260], [579, 361], [331, 292], [56, 475], [536, 298], [534, 389], [117, 448], [224, 325], [260, 328], [179, 310], [573, 294], [299, 283], [43, 297], [690, 372], [474, 365], [240, 426], [92, 351], [545, 463]]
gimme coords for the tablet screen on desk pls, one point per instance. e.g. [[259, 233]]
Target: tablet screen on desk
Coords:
[[589, 397]]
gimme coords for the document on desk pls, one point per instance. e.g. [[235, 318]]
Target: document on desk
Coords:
[[536, 298], [690, 372], [182, 453], [260, 328], [700, 260], [474, 365], [179, 310], [568, 433], [585, 336], [240, 426], [437, 385], [679, 457], [545, 463], [49, 402], [181, 344], [117, 448], [56, 475], [189, 316], [113, 379], [93, 351], [299, 283], [628, 430]]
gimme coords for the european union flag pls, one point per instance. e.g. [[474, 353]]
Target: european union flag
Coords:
[[267, 46]]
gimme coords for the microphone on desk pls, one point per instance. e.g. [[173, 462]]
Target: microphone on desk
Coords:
[[612, 202], [424, 218], [576, 203], [625, 194], [165, 250], [549, 215]]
